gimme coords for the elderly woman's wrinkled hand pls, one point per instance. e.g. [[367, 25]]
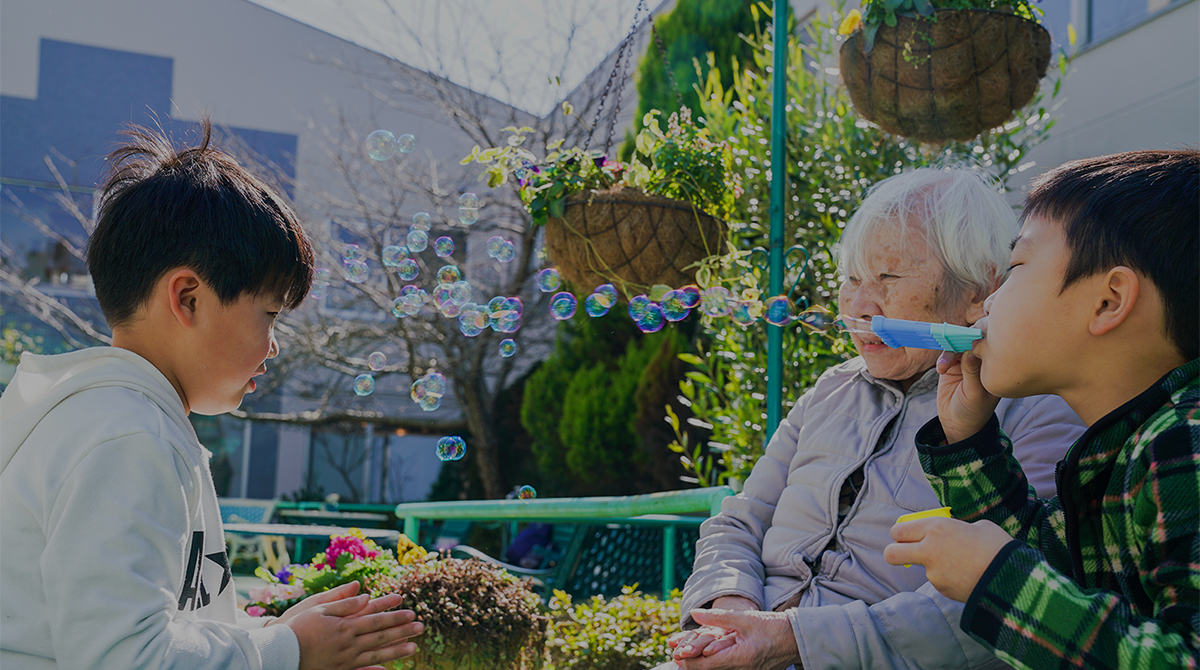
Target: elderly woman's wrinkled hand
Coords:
[[755, 640], [691, 643]]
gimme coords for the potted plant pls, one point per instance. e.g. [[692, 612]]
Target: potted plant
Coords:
[[637, 224], [941, 70], [476, 615]]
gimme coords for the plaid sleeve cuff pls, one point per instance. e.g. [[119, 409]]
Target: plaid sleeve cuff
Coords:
[[931, 441]]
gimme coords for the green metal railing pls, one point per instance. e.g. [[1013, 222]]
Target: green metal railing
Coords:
[[661, 510]]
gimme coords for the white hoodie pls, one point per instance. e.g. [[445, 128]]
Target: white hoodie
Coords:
[[112, 551]]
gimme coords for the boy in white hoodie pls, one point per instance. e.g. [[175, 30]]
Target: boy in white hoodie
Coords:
[[113, 554]]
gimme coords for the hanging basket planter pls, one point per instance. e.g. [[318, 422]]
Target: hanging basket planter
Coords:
[[631, 239], [946, 78]]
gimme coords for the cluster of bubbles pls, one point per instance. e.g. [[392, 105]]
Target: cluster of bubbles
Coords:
[[600, 301], [354, 266], [320, 285], [411, 300], [428, 391], [468, 208], [382, 144], [501, 249], [451, 448], [364, 384]]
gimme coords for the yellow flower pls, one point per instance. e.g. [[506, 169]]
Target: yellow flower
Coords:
[[851, 23]]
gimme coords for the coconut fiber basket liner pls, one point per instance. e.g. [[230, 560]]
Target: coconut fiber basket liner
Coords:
[[628, 238], [970, 70]]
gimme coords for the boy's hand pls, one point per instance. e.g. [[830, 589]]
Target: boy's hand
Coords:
[[692, 643], [964, 406], [340, 630], [756, 640], [955, 553]]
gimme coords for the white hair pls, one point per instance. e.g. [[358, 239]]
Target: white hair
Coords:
[[966, 222]]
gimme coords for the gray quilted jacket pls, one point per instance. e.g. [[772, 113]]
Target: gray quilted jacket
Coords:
[[781, 539]]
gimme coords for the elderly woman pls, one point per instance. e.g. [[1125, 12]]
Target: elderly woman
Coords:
[[802, 544]]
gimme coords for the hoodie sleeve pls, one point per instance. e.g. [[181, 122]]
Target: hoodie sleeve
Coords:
[[729, 551], [113, 601]]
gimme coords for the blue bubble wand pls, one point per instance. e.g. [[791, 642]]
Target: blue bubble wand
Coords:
[[896, 333]]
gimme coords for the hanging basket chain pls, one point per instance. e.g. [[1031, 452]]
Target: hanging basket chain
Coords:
[[662, 50], [620, 66]]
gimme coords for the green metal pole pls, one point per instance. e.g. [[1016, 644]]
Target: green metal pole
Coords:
[[778, 177], [668, 561]]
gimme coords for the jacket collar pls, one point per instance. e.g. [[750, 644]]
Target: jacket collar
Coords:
[[926, 384]]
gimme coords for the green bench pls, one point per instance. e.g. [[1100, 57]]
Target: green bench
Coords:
[[610, 541]]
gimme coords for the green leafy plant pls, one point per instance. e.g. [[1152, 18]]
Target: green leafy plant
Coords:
[[627, 632], [476, 616], [683, 162], [877, 13]]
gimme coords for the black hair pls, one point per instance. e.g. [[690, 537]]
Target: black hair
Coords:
[[163, 208], [1140, 209]]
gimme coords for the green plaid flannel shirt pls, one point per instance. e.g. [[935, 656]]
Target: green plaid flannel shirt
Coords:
[[1107, 573]]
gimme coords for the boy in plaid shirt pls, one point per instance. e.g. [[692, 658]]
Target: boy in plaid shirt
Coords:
[[1101, 308]]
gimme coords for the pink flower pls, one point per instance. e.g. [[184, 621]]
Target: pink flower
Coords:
[[347, 545], [255, 610], [261, 595]]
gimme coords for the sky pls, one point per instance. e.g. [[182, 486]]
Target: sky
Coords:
[[527, 53]]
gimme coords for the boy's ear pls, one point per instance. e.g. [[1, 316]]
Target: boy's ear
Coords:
[[183, 289], [1118, 293]]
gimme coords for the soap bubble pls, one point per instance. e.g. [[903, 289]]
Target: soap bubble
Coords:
[[422, 221], [319, 290], [418, 240], [460, 292], [512, 307], [449, 274], [690, 296], [441, 294], [651, 320], [406, 143], [471, 322], [638, 306], [408, 269], [450, 309], [467, 216], [562, 306], [451, 448], [507, 325], [322, 275], [468, 201], [376, 361], [526, 492], [381, 145], [606, 294], [392, 255], [364, 384], [508, 252], [716, 301], [352, 252], [548, 280], [356, 271], [740, 312], [428, 391], [443, 247], [494, 244], [594, 306], [399, 306], [507, 347], [777, 310], [674, 306]]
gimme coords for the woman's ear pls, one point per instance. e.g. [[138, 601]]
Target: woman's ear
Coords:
[[975, 299], [1116, 296]]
